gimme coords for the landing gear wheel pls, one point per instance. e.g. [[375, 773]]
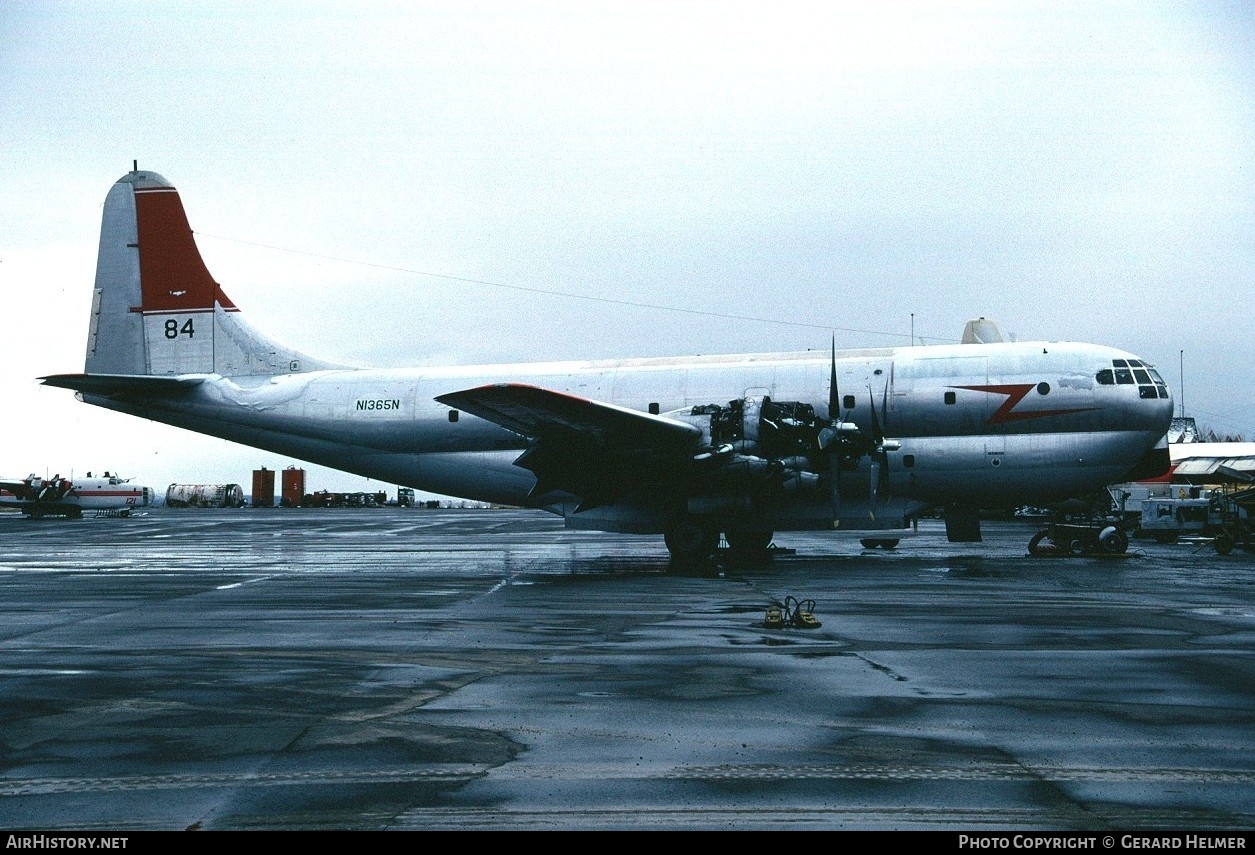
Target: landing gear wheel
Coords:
[[883, 543], [1039, 545], [1114, 542], [869, 543], [689, 540], [748, 540], [1223, 543], [891, 543]]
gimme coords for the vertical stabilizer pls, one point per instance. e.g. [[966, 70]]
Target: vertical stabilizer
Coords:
[[156, 310]]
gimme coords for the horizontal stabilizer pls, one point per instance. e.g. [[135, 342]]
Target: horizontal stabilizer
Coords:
[[125, 384], [540, 413]]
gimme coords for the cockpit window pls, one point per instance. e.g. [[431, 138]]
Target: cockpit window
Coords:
[[1129, 372]]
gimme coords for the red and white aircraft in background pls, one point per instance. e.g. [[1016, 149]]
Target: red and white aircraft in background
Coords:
[[70, 497]]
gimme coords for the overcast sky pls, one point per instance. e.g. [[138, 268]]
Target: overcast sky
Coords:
[[460, 182]]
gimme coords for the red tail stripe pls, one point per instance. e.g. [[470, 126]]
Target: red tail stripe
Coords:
[[172, 273]]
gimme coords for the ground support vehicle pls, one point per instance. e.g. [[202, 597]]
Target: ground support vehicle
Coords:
[[1094, 537]]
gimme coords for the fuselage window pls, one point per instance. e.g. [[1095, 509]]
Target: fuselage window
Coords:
[[848, 402], [908, 461], [1141, 375], [1043, 388], [653, 408], [453, 415], [1124, 376], [950, 398], [1163, 390], [1106, 377], [1147, 392], [1120, 363]]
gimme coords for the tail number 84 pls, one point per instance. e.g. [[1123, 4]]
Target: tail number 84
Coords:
[[173, 330]]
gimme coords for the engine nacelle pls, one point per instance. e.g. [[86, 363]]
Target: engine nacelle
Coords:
[[758, 426], [754, 448]]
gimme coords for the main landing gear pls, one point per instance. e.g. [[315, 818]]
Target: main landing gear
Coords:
[[692, 541]]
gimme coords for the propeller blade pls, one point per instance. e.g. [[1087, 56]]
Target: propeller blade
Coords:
[[877, 437], [871, 498], [834, 473], [834, 418], [879, 454], [883, 445], [834, 396]]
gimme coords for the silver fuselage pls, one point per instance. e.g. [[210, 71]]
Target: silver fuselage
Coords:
[[1067, 436]]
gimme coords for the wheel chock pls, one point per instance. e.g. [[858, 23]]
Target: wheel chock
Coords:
[[805, 620], [774, 618], [799, 614]]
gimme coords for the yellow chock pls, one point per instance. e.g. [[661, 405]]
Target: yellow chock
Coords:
[[805, 620], [774, 618], [800, 614]]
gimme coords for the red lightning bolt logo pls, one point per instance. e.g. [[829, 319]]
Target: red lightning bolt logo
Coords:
[[1015, 393]]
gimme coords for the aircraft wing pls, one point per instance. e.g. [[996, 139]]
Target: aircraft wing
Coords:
[[124, 384], [593, 450], [539, 413]]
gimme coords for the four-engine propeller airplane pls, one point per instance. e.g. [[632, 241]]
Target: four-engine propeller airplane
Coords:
[[743, 445], [70, 497]]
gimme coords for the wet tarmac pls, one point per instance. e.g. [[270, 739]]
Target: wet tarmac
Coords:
[[404, 669]]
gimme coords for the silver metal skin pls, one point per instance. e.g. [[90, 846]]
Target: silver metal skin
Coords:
[[623, 445]]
